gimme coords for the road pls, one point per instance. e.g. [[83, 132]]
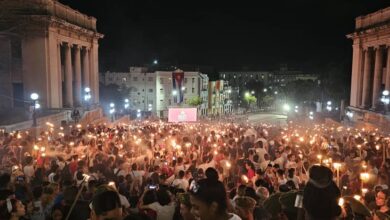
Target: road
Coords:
[[275, 119]]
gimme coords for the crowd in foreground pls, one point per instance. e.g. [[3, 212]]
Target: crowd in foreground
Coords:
[[156, 170]]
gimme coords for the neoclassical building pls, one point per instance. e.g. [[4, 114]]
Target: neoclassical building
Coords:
[[371, 59], [57, 49]]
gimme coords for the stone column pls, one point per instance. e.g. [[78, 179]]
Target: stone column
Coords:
[[387, 87], [86, 73], [77, 67], [377, 77], [68, 77], [59, 74], [366, 79], [357, 75]]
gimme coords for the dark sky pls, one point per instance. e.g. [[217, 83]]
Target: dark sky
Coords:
[[305, 34]]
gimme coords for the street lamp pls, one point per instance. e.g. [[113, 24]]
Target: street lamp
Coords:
[[253, 92], [183, 88], [34, 97], [155, 62], [286, 107], [311, 115], [385, 99], [138, 113], [174, 92], [112, 111], [276, 92], [247, 94], [126, 103], [87, 96], [296, 109], [329, 106], [265, 90]]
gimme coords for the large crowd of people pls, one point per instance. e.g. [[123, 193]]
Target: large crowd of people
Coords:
[[210, 170]]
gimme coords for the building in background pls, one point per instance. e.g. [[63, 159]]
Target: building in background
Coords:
[[155, 91], [370, 81], [219, 98], [243, 81], [52, 51]]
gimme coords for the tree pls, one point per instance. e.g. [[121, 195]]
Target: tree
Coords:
[[195, 101], [249, 99]]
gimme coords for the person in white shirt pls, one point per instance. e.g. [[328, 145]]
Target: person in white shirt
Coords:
[[291, 162], [164, 207], [180, 182], [279, 160], [264, 164], [136, 175], [28, 170]]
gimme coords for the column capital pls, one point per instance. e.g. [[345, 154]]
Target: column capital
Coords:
[[77, 46]]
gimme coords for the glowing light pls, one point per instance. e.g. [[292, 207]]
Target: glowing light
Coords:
[[341, 201]]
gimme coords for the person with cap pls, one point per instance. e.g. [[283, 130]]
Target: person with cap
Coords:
[[321, 195]]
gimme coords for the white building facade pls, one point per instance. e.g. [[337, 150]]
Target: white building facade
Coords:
[[153, 91]]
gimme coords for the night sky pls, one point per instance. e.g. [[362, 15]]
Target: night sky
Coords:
[[304, 34]]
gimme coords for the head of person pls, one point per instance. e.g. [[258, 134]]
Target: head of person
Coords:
[[382, 198], [321, 194], [185, 205], [106, 204], [208, 199], [244, 207], [57, 212], [11, 208]]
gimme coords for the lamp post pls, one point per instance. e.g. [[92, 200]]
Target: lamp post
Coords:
[[34, 97], [329, 106], [385, 99], [87, 96], [126, 104], [112, 111]]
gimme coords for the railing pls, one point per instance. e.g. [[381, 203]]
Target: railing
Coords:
[[55, 119]]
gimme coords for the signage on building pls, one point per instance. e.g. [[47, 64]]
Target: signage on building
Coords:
[[177, 115]]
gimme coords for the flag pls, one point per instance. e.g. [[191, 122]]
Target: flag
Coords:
[[177, 83]]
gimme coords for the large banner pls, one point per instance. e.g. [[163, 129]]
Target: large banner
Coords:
[[182, 115], [177, 84]]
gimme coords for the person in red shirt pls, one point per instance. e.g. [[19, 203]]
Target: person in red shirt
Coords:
[[250, 169], [73, 165]]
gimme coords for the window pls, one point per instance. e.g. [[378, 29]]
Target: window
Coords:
[[161, 100], [150, 79], [161, 89], [150, 90], [185, 80], [110, 78], [139, 93], [135, 79], [193, 80], [193, 90], [161, 80], [170, 102]]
